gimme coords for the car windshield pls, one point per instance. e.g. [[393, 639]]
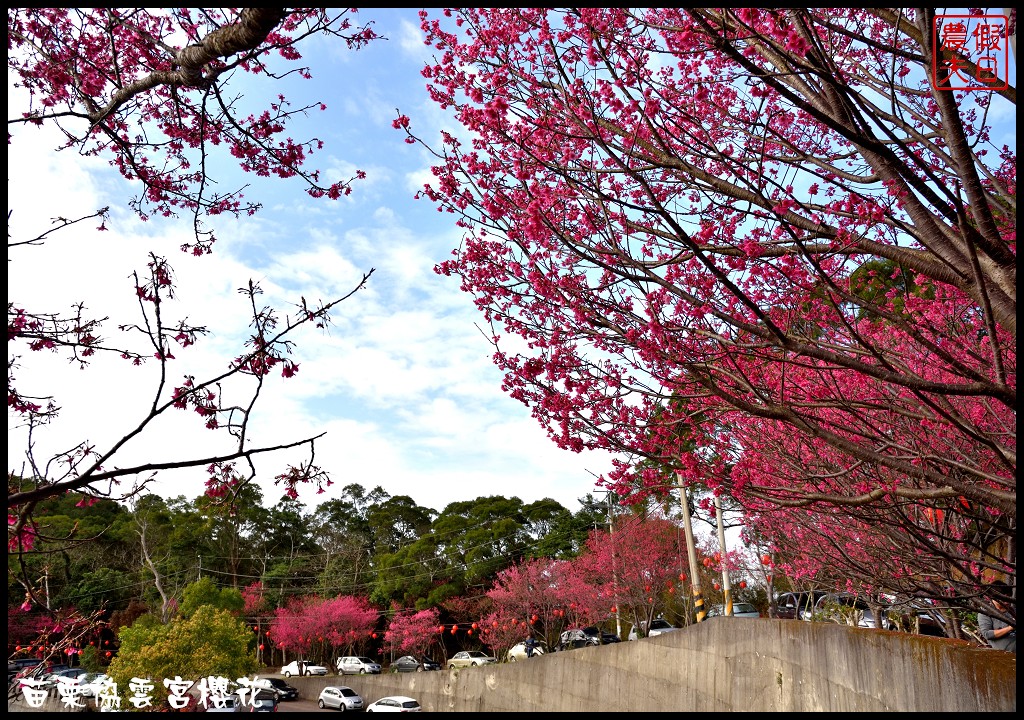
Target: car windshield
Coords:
[[368, 661], [743, 607], [659, 624], [476, 653], [410, 704]]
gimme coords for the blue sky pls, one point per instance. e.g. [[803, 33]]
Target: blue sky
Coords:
[[403, 384]]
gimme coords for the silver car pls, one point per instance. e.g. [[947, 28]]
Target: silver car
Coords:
[[355, 665], [470, 658], [339, 697]]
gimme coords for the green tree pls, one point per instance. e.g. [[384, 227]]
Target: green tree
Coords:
[[345, 536], [212, 642], [204, 592]]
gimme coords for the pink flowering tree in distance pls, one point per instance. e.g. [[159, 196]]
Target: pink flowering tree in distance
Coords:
[[324, 627], [412, 633], [535, 597], [154, 92], [631, 568], [762, 252]]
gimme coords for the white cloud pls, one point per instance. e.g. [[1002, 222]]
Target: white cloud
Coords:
[[401, 384]]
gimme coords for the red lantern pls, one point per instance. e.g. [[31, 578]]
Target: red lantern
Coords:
[[440, 628], [717, 586], [261, 646], [650, 600], [475, 626], [614, 609], [453, 629], [743, 584], [671, 591], [682, 577], [469, 632], [494, 624], [767, 560], [374, 636], [110, 653]]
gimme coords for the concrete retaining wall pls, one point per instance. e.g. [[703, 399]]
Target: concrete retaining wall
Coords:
[[724, 664]]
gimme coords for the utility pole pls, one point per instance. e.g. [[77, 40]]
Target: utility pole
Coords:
[[615, 577], [726, 588], [691, 552]]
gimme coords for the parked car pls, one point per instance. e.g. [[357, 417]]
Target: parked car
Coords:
[[659, 626], [340, 697], [848, 610], [740, 610], [470, 658], [357, 665], [302, 667], [92, 683], [603, 636], [19, 667], [411, 663], [66, 675], [263, 701], [284, 690], [19, 664], [518, 652], [394, 703], [230, 703], [797, 605], [575, 638]]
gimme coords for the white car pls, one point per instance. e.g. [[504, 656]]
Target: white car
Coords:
[[394, 703], [92, 683], [740, 610], [659, 626], [355, 665], [228, 703], [340, 697], [470, 658], [302, 667], [518, 652]]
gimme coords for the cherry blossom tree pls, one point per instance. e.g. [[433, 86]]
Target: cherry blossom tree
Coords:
[[156, 93], [633, 568], [322, 627], [765, 252], [412, 632], [538, 596]]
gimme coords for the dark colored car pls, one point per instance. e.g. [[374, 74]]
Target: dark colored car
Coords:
[[603, 636], [575, 638], [410, 663], [283, 689], [18, 664], [797, 605], [264, 701]]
